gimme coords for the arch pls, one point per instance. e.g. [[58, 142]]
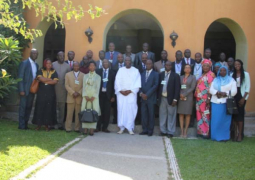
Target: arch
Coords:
[[241, 47], [127, 13], [39, 42]]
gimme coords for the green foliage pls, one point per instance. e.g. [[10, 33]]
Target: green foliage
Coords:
[[43, 8], [10, 57]]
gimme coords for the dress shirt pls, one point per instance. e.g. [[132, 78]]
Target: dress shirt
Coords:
[[123, 64], [70, 63], [198, 70], [178, 67], [100, 64], [34, 68], [76, 74], [145, 52], [107, 72], [167, 74], [186, 60]]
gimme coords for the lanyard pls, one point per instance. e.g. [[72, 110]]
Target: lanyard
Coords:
[[185, 79], [198, 67]]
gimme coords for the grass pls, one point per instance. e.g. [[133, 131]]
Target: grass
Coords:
[[20, 149], [210, 160]]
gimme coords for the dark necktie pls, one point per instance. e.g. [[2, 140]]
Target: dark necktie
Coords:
[[105, 83], [147, 75], [187, 61], [111, 55]]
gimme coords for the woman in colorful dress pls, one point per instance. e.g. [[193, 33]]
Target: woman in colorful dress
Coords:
[[203, 99], [45, 107]]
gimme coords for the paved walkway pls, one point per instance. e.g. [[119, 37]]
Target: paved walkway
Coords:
[[110, 156]]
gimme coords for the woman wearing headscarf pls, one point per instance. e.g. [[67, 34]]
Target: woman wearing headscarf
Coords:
[[216, 68], [243, 88], [90, 94], [222, 87], [203, 97]]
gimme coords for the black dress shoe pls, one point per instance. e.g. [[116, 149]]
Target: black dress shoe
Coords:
[[150, 134], [106, 131], [143, 133], [61, 128], [163, 134], [170, 136], [97, 130]]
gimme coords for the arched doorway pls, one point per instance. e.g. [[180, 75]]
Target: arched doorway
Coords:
[[44, 44], [225, 35], [54, 42], [134, 27]]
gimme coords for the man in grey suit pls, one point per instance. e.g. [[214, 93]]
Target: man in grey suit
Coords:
[[168, 95], [138, 56], [159, 66], [148, 93], [27, 73], [61, 68], [99, 63], [130, 54]]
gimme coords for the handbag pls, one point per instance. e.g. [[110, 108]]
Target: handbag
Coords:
[[88, 115], [34, 86], [231, 105]]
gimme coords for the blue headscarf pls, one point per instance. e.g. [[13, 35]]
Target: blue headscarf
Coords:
[[217, 64], [222, 81]]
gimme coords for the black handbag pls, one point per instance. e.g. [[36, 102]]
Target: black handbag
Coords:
[[231, 105], [88, 115]]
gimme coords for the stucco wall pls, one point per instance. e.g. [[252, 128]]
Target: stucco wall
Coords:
[[189, 18]]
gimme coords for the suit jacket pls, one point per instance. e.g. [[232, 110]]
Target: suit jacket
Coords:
[[150, 87], [71, 87], [192, 63], [108, 55], [98, 63], [182, 68], [26, 76], [69, 65], [173, 87], [115, 67], [140, 68], [138, 58], [158, 66], [110, 83]]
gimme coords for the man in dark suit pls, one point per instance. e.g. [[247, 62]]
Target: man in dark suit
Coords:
[[168, 95], [178, 64], [188, 60], [27, 72], [70, 60], [148, 95], [142, 66], [111, 55], [99, 63], [106, 95], [138, 56], [120, 63], [207, 55]]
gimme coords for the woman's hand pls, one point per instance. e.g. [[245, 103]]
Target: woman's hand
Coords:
[[87, 98], [241, 102], [182, 96], [92, 99]]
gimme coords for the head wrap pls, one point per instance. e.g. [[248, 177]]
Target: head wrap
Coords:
[[217, 64], [207, 61], [221, 81]]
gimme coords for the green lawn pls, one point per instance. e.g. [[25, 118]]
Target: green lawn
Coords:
[[210, 160], [19, 149]]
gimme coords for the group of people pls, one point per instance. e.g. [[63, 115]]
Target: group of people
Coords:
[[134, 85]]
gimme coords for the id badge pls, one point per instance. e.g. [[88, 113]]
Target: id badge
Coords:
[[110, 60], [184, 86], [206, 112], [162, 69], [105, 79], [163, 82], [77, 82]]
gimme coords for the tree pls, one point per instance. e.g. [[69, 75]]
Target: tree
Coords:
[[43, 8]]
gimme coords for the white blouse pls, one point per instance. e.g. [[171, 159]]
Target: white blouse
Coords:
[[229, 87]]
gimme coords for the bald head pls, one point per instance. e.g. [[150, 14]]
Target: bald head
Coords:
[[120, 58], [34, 54], [76, 66], [61, 57], [106, 64]]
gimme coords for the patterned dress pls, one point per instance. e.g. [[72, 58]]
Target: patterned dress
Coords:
[[202, 109]]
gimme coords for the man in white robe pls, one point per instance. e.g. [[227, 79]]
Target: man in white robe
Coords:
[[127, 84]]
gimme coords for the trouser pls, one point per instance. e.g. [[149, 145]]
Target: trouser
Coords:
[[167, 117], [138, 116], [71, 108], [25, 107], [61, 113], [147, 112], [115, 111], [105, 106]]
